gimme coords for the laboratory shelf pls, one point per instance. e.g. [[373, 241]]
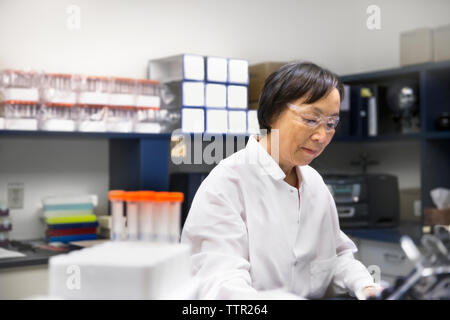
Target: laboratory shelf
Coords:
[[437, 135], [380, 138], [395, 72], [76, 134]]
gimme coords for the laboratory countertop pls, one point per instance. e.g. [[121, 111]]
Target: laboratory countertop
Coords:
[[411, 229], [34, 253]]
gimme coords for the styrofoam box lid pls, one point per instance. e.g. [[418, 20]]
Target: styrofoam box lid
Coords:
[[122, 254]]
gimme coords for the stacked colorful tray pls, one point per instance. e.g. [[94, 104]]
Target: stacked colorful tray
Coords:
[[70, 218]]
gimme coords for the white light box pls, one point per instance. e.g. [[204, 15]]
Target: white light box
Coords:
[[238, 71], [193, 120], [237, 97], [252, 122], [216, 69], [215, 95], [216, 121], [177, 68], [193, 94], [237, 121]]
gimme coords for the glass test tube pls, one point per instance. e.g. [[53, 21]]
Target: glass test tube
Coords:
[[116, 197]]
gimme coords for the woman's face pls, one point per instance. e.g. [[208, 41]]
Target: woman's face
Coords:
[[299, 143]]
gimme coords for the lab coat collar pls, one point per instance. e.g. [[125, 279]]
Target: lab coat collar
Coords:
[[258, 155]]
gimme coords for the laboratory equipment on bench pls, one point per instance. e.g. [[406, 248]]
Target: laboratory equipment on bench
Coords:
[[154, 266], [133, 200], [117, 198], [146, 221], [365, 200], [430, 279]]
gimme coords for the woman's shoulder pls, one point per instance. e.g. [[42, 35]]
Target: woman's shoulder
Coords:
[[312, 176]]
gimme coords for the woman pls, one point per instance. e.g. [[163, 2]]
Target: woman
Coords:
[[263, 219]]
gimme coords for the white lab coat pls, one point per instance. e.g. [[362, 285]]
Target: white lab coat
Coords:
[[250, 230]]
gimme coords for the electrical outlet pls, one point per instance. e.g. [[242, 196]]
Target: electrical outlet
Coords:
[[16, 192]]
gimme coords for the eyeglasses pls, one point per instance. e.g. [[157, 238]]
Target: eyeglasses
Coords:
[[314, 120]]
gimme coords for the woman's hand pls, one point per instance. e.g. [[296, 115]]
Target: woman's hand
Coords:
[[372, 291]]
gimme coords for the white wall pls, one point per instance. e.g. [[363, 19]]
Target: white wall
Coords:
[[47, 167], [119, 37]]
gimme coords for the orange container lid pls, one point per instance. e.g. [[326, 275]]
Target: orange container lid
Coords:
[[176, 196], [146, 195], [161, 196], [116, 195], [132, 196]]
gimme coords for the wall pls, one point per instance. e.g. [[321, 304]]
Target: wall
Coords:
[[119, 37], [47, 167]]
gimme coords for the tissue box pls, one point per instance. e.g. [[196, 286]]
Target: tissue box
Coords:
[[433, 216]]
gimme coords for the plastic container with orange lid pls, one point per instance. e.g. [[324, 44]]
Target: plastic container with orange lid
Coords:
[[161, 216], [120, 118], [58, 117], [146, 220], [60, 88], [117, 198], [19, 115], [174, 210], [123, 92], [92, 101], [132, 199]]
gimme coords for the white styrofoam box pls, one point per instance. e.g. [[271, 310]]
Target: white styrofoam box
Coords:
[[237, 97], [58, 125], [238, 71], [21, 124], [416, 46], [177, 68], [92, 126], [2, 123], [121, 99], [216, 69], [216, 121], [441, 43], [215, 95], [120, 270], [193, 120], [60, 96], [24, 94], [252, 122], [148, 101], [193, 94], [92, 97], [237, 121]]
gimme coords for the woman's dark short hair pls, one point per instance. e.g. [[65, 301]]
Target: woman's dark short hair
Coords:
[[291, 82]]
